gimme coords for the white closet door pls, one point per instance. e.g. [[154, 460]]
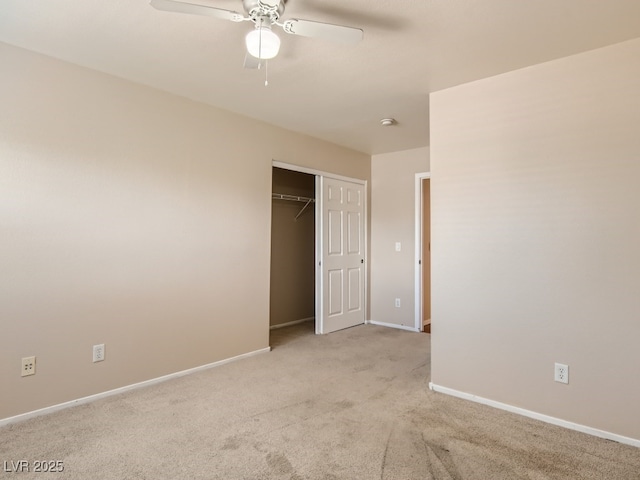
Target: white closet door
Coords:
[[342, 255]]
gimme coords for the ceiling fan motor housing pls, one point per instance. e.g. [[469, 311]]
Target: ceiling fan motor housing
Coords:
[[273, 9]]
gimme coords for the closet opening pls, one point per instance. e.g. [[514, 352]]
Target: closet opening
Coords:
[[293, 249]]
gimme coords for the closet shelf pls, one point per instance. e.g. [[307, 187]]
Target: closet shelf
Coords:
[[294, 198]]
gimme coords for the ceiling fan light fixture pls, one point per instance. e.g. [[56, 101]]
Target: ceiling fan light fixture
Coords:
[[262, 42]]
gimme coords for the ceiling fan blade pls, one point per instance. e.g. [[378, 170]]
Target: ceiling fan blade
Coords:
[[251, 62], [328, 31], [179, 7]]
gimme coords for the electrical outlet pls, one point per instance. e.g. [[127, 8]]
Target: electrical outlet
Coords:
[[398, 246], [28, 366], [98, 353], [561, 373], [397, 303]]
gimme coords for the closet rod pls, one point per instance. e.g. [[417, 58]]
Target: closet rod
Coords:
[[295, 198]]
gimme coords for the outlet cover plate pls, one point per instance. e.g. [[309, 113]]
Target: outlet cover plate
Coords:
[[28, 366], [561, 373], [98, 353]]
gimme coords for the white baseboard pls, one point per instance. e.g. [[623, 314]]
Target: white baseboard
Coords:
[[391, 325], [537, 416], [116, 391], [295, 322]]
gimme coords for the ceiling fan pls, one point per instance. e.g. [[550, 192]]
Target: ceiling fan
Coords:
[[262, 43]]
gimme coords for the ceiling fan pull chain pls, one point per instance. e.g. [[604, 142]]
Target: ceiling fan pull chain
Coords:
[[266, 73]]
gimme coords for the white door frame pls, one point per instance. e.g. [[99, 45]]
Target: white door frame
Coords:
[[418, 254], [318, 240]]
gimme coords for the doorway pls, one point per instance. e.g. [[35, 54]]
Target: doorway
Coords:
[[318, 249], [423, 252]]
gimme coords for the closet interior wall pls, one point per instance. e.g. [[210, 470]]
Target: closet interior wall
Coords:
[[292, 295]]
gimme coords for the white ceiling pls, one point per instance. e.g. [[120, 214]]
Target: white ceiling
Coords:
[[331, 91]]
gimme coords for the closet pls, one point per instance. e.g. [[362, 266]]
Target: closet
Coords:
[[292, 296]]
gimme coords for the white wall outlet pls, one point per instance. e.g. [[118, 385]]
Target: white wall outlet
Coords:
[[28, 366], [398, 246], [561, 373], [98, 353], [397, 303]]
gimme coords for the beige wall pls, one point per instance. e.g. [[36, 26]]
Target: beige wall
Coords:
[[133, 218], [293, 270], [536, 235], [393, 220]]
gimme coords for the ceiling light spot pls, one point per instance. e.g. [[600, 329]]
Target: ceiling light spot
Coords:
[[262, 42]]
